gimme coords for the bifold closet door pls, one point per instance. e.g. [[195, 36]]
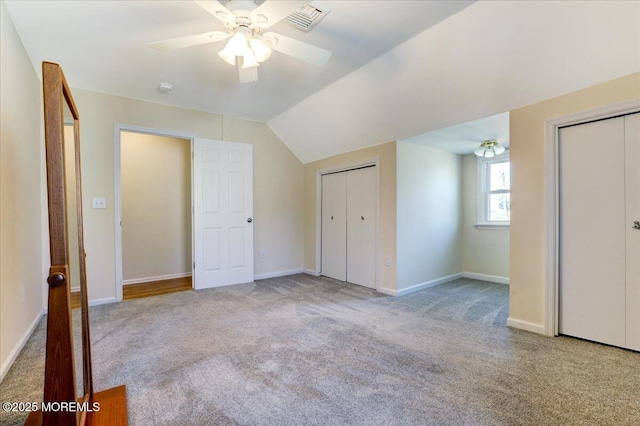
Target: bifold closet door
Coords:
[[632, 225], [334, 226], [599, 294], [361, 220]]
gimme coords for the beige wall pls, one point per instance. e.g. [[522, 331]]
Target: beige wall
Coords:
[[387, 154], [429, 214], [156, 206], [277, 180], [484, 251], [528, 224], [20, 194]]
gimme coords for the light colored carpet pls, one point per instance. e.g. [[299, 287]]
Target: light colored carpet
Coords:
[[314, 351]]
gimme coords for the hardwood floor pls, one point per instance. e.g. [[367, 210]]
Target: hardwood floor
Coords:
[[155, 288], [136, 291], [75, 299]]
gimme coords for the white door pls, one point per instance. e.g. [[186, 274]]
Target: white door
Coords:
[[632, 181], [361, 226], [223, 213], [599, 297], [334, 226]]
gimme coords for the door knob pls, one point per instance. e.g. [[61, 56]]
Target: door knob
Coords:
[[249, 220], [636, 225]]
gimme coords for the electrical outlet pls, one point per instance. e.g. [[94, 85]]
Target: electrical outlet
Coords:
[[387, 260], [99, 203], [263, 254], [21, 294]]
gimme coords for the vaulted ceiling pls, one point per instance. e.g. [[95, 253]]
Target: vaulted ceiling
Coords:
[[464, 138], [398, 69], [104, 46]]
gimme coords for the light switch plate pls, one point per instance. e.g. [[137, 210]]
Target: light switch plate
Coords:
[[99, 203]]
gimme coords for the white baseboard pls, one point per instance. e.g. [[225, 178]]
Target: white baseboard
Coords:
[[4, 369], [278, 274], [93, 302], [152, 279], [417, 287], [484, 277], [421, 286], [387, 291], [428, 284], [525, 325], [311, 272], [104, 301]]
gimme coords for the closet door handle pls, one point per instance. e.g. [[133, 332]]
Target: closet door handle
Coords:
[[636, 225]]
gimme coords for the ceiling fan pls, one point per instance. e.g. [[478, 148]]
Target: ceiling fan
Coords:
[[248, 44]]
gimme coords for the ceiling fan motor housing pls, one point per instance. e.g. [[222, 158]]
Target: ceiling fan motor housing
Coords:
[[242, 10], [237, 6]]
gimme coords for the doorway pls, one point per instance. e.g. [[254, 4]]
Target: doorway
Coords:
[[154, 248], [215, 244], [453, 207]]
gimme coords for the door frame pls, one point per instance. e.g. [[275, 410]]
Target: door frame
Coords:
[[117, 129], [552, 198], [372, 161]]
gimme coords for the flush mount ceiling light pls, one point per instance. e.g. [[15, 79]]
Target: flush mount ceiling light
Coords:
[[245, 23], [489, 148]]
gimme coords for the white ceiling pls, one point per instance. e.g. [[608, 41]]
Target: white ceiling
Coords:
[[103, 46], [399, 68], [466, 137], [491, 57]]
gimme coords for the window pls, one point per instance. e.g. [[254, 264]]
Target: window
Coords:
[[494, 192]]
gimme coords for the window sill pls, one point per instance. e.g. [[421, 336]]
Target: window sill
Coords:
[[503, 226]]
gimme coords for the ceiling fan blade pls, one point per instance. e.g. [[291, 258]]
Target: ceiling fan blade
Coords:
[[216, 9], [188, 41], [270, 12], [296, 48]]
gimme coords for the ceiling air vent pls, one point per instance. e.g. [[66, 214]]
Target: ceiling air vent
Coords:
[[306, 17]]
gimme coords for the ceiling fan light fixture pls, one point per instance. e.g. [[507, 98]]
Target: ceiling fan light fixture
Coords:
[[227, 55], [260, 49], [489, 149], [252, 50], [239, 44], [247, 45], [249, 60], [480, 151]]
